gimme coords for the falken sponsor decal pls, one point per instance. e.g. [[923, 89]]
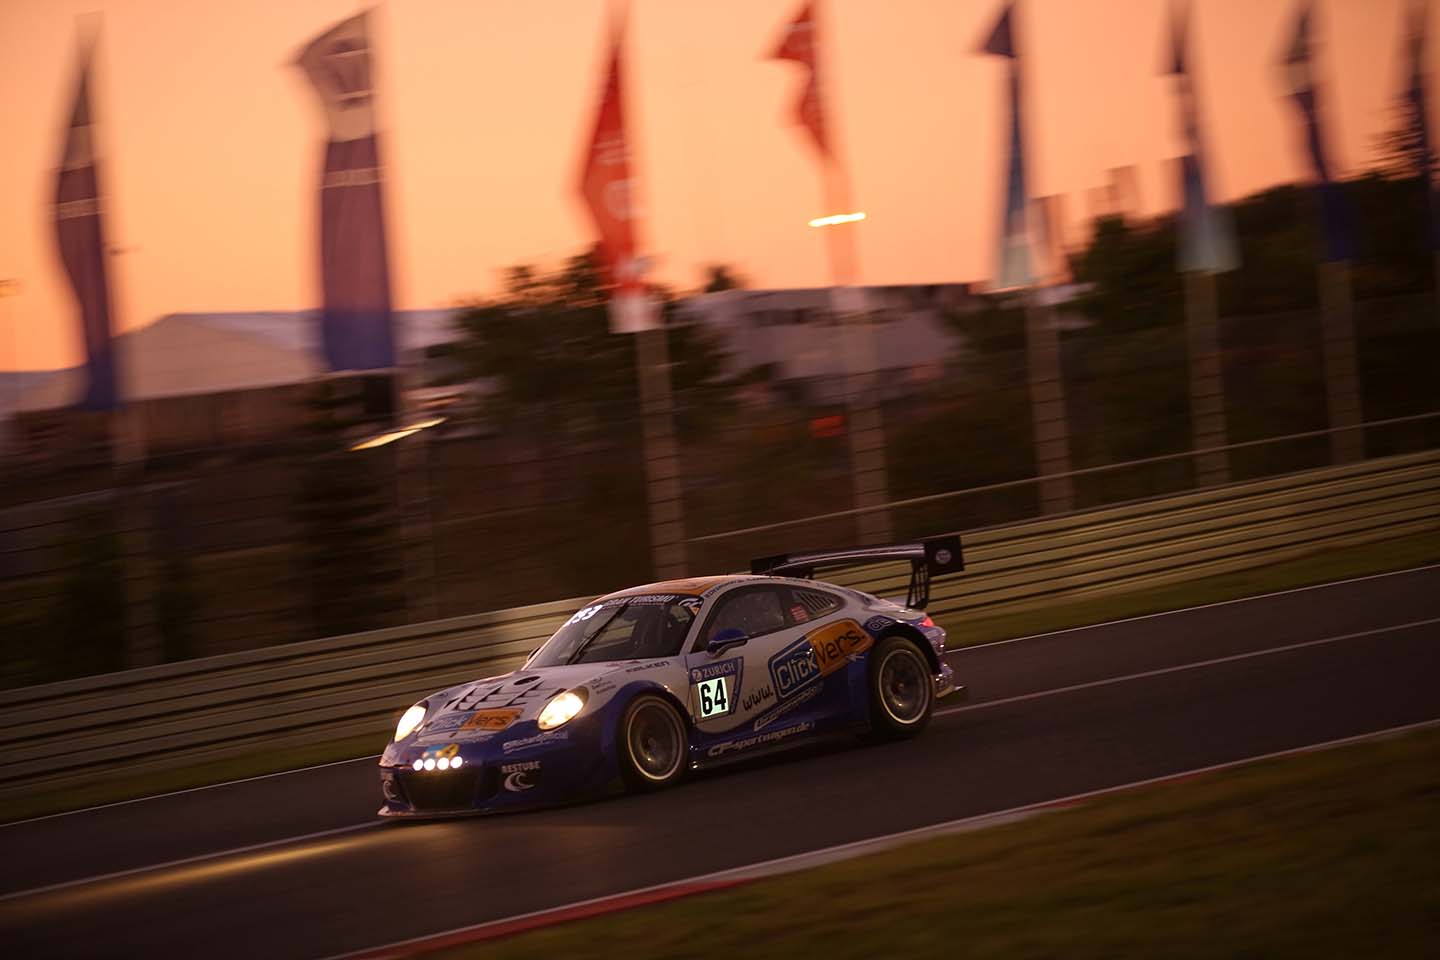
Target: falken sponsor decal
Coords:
[[839, 643], [540, 739], [518, 775], [756, 697], [714, 688], [786, 706], [745, 743], [490, 719], [652, 665]]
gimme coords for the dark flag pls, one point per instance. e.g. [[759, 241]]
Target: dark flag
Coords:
[[355, 272], [609, 194], [1015, 256], [1207, 243], [1420, 120], [1300, 76], [81, 239], [800, 45]]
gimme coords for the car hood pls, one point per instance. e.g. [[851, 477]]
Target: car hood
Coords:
[[482, 708]]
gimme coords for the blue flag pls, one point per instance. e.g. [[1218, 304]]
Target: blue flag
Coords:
[[355, 271], [1015, 259], [1207, 240], [1300, 73], [81, 241]]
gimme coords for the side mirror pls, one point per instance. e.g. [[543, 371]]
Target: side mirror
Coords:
[[724, 640]]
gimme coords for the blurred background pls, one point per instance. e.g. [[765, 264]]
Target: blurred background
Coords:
[[312, 313]]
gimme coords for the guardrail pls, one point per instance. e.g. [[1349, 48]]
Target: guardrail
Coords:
[[185, 713]]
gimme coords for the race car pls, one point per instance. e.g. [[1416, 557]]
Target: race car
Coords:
[[641, 686]]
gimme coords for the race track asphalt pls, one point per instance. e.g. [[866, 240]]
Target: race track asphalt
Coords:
[[1050, 716]]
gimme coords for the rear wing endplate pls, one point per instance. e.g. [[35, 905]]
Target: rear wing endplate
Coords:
[[935, 557]]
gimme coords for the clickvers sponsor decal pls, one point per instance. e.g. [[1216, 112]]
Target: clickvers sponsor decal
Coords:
[[539, 739], [786, 706]]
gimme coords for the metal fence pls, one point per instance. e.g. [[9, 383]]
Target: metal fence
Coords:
[[184, 713]]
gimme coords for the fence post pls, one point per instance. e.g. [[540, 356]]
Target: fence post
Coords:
[[1342, 387], [1207, 379], [868, 471], [663, 494], [1048, 415], [417, 527]]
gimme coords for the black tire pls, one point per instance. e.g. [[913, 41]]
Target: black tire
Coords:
[[652, 743], [902, 689]]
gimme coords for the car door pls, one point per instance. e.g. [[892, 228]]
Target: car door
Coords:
[[771, 682]]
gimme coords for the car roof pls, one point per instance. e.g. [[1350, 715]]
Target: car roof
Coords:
[[693, 586]]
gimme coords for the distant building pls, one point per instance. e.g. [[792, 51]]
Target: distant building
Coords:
[[791, 334]]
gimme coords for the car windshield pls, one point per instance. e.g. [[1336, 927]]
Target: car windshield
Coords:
[[642, 627]]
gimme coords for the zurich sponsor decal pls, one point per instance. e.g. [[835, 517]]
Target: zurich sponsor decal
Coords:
[[714, 687], [794, 667]]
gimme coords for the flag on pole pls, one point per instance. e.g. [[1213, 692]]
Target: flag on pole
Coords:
[[1420, 119], [356, 327], [1299, 64], [609, 193], [80, 238], [1207, 238], [1016, 268], [800, 44]]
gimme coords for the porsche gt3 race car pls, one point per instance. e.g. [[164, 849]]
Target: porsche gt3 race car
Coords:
[[643, 685]]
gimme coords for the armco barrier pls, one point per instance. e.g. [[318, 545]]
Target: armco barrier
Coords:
[[185, 713]]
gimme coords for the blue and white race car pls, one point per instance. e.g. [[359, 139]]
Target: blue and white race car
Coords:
[[643, 685]]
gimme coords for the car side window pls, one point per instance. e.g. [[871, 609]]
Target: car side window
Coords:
[[812, 604], [752, 610]]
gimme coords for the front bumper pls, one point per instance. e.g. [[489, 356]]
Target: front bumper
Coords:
[[945, 685], [518, 769]]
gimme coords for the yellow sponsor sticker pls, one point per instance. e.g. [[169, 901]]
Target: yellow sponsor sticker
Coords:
[[835, 643], [490, 719]]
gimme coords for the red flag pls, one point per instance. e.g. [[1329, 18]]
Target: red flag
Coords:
[[608, 189], [799, 44]]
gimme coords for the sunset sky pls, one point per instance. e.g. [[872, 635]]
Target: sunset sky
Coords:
[[211, 143]]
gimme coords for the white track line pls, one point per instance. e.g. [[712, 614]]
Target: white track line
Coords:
[[860, 848], [1199, 606], [186, 861], [176, 793], [1196, 665], [948, 653]]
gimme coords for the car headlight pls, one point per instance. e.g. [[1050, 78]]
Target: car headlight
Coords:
[[561, 708], [409, 720]]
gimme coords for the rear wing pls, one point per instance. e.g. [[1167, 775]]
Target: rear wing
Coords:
[[936, 557]]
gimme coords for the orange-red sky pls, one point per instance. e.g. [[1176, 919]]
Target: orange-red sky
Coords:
[[211, 142]]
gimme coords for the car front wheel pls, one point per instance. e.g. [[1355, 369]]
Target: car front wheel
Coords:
[[652, 743]]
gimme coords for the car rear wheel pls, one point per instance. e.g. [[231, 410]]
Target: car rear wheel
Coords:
[[652, 743], [902, 689]]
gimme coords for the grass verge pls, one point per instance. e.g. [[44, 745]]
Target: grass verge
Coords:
[[1372, 558], [1324, 854]]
